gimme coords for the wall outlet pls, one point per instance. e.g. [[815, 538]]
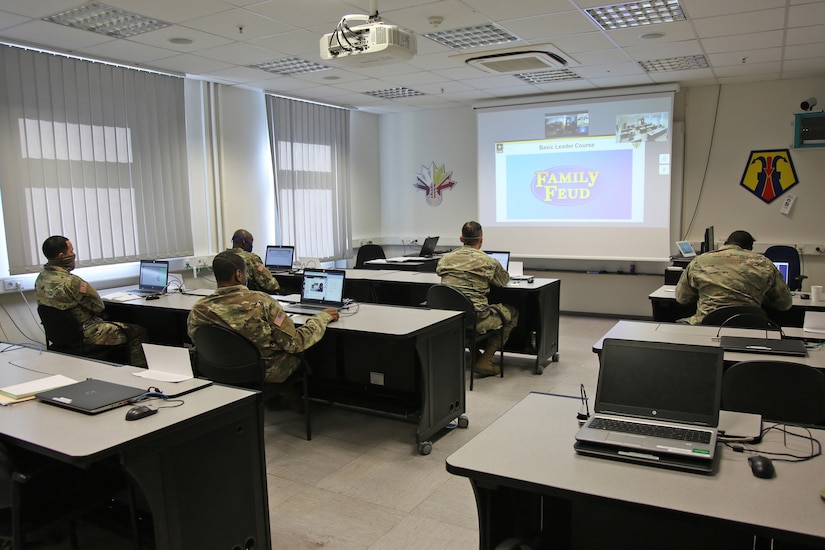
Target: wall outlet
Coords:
[[11, 284]]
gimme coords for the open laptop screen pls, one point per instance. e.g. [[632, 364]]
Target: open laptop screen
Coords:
[[502, 257], [279, 257], [323, 286], [154, 275], [783, 269], [657, 380], [428, 248]]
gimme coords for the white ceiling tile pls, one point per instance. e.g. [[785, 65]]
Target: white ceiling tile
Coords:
[[805, 15], [743, 42], [741, 23], [747, 57]]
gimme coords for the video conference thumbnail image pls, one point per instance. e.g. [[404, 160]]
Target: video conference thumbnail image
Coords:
[[567, 124]]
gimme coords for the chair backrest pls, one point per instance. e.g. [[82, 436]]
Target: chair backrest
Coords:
[[368, 252], [226, 357], [447, 297], [778, 390], [783, 253], [63, 331], [737, 316]]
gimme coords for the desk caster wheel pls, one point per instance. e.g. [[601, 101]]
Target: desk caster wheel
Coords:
[[463, 421], [555, 358], [425, 447], [540, 369]]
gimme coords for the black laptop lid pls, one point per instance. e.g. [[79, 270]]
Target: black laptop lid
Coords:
[[91, 396], [279, 257], [154, 275], [428, 248], [323, 287], [660, 381]]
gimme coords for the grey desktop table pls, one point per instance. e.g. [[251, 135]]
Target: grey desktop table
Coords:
[[537, 302], [407, 362], [173, 457], [665, 308], [701, 335], [530, 484]]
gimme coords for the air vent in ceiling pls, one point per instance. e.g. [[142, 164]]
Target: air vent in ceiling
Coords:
[[517, 62]]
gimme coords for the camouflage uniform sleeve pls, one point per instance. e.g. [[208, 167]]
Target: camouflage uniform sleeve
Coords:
[[685, 294], [501, 276], [779, 295], [291, 340], [259, 276], [89, 298]]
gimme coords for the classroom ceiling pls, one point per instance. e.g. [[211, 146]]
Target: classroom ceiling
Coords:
[[739, 41]]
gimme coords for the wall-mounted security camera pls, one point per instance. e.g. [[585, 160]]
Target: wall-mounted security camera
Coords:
[[808, 104]]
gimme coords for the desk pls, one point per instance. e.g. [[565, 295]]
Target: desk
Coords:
[[175, 457], [703, 335], [667, 309], [427, 264], [537, 302], [529, 483], [407, 362]]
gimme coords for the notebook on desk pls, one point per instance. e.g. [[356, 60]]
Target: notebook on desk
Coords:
[[320, 289], [91, 396], [152, 278], [656, 403], [279, 259]]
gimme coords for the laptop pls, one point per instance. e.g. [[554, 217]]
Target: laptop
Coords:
[[656, 386], [502, 257], [686, 249], [91, 396], [320, 289], [152, 278], [426, 252], [783, 268], [768, 346], [279, 259]]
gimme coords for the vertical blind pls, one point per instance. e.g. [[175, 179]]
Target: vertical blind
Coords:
[[94, 152], [310, 152]]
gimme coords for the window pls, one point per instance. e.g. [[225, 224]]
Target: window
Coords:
[[310, 151], [94, 152]]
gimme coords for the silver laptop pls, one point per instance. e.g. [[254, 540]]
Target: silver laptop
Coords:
[[279, 259], [91, 396], [502, 257], [320, 289], [152, 278], [656, 403]]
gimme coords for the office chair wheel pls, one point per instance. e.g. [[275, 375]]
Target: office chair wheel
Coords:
[[540, 369], [425, 447], [463, 421]]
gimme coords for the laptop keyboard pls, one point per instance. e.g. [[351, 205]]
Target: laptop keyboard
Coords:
[[653, 430]]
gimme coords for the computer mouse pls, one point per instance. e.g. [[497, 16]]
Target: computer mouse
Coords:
[[139, 411], [762, 466]]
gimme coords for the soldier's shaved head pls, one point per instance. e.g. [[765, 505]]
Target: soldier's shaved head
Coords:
[[226, 264], [742, 239], [242, 239]]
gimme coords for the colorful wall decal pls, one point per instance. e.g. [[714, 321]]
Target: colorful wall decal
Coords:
[[768, 174], [434, 181]]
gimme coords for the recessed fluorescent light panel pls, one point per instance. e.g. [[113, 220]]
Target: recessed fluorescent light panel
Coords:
[[473, 37], [290, 66], [636, 14], [545, 77], [684, 63], [395, 93], [107, 20]]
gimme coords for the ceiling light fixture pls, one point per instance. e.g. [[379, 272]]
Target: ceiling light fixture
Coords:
[[546, 77], [635, 14], [472, 37], [290, 66], [683, 63], [395, 93], [103, 19]]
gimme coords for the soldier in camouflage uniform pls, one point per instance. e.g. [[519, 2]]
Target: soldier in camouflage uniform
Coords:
[[259, 277], [257, 317], [58, 288], [731, 276], [472, 271]]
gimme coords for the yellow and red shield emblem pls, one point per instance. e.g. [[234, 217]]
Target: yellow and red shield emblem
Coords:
[[769, 174]]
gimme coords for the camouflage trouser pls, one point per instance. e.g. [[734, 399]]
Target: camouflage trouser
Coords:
[[281, 367], [105, 333], [490, 320]]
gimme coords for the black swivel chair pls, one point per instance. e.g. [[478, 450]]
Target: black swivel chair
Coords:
[[738, 316], [789, 254], [64, 334], [778, 390], [226, 357], [447, 297], [368, 252]]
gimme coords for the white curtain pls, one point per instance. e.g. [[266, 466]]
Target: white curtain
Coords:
[[93, 152], [310, 151]]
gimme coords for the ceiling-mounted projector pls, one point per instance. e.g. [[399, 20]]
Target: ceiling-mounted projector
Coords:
[[361, 41]]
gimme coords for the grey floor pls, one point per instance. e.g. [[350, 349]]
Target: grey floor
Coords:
[[360, 484]]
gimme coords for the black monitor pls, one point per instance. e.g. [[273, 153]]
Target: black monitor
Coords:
[[709, 243]]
